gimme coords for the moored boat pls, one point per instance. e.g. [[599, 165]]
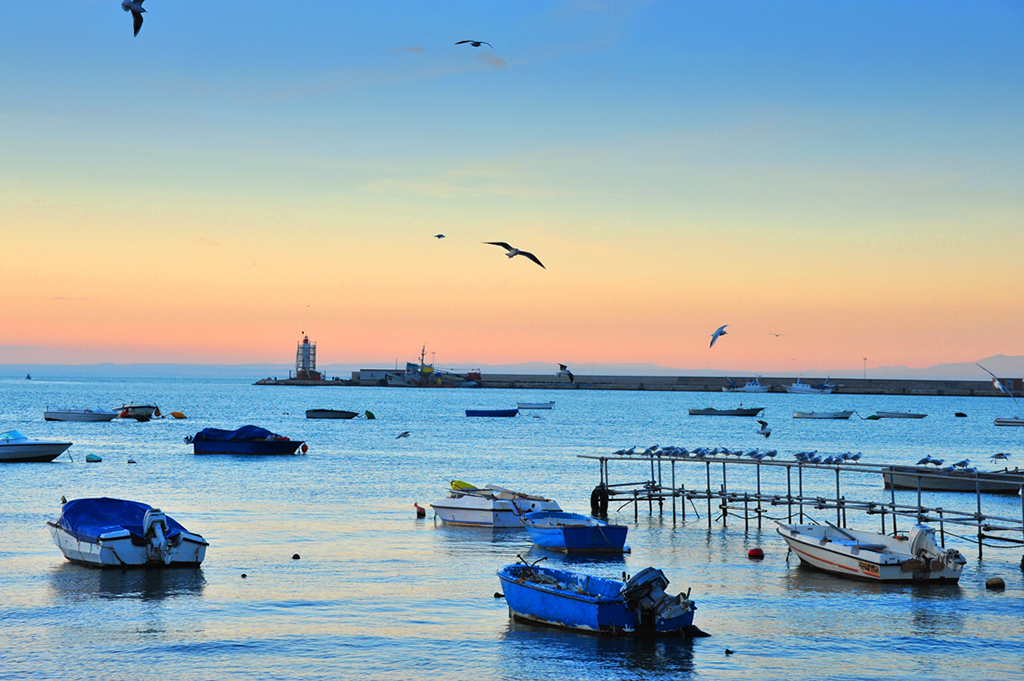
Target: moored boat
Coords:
[[1005, 481], [536, 405], [742, 411], [500, 413], [899, 415], [139, 412], [105, 532], [244, 440], [15, 447], [752, 386], [424, 375], [874, 557], [596, 605], [801, 388], [488, 506], [574, 533], [822, 414], [330, 414], [79, 415], [1012, 421]]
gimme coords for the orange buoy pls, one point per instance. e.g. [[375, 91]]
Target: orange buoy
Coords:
[[755, 554], [420, 511], [305, 448]]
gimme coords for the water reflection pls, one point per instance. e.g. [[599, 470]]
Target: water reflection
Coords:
[[76, 583]]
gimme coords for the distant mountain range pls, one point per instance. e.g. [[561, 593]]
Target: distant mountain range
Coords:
[[1001, 365]]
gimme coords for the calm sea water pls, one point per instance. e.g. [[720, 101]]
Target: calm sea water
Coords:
[[379, 594]]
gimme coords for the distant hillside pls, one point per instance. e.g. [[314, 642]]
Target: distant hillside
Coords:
[[1001, 365]]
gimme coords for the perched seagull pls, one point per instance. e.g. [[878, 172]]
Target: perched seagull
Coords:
[[439, 236], [720, 332], [513, 252], [926, 459], [135, 7], [564, 371], [475, 43], [1001, 456], [404, 433], [765, 430], [962, 464]]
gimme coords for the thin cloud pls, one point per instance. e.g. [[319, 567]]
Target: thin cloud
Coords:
[[496, 62], [76, 300]]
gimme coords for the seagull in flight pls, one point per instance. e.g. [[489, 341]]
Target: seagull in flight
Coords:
[[997, 385], [765, 430], [1001, 456], [404, 433], [135, 7], [719, 332], [475, 43], [439, 236], [513, 252], [564, 371]]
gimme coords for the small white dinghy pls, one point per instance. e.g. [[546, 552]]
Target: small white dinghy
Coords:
[[874, 557], [488, 506], [85, 415], [106, 532]]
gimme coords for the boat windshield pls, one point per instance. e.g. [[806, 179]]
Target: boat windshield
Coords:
[[12, 435]]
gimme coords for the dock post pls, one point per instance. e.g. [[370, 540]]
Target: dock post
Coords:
[[725, 499], [918, 498], [892, 507], [981, 535], [674, 492], [789, 494], [942, 529], [746, 514], [839, 505], [759, 495], [800, 491], [707, 465], [883, 519], [636, 507]]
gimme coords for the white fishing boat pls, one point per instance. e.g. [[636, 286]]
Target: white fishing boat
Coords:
[[822, 414], [801, 388], [15, 447], [488, 506], [753, 386], [79, 415], [139, 412], [899, 415], [874, 557], [119, 533], [536, 405]]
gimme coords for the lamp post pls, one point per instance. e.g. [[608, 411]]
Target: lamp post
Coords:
[[865, 368], [432, 353]]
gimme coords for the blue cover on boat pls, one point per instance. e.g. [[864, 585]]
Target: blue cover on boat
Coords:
[[243, 433], [89, 518]]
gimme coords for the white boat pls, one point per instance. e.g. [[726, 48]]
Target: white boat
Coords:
[[822, 414], [536, 405], [899, 415], [488, 506], [16, 447], [753, 386], [1012, 421], [139, 412], [119, 533], [801, 388], [79, 415], [874, 557]]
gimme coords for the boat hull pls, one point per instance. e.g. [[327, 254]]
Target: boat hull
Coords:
[[857, 560], [82, 415], [487, 513], [1009, 422], [899, 415], [587, 604], [330, 414], [137, 411], [996, 482], [536, 405], [16, 448], [251, 447], [838, 415], [752, 411], [574, 533], [492, 413], [188, 551]]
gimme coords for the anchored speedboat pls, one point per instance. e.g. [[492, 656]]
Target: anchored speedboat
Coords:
[[488, 506]]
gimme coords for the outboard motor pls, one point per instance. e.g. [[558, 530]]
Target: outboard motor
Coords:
[[645, 595], [925, 549], [154, 524]]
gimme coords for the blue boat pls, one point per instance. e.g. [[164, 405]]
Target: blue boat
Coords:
[[574, 533], [245, 440], [595, 605], [492, 412]]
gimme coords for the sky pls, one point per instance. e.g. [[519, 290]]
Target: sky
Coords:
[[848, 175]]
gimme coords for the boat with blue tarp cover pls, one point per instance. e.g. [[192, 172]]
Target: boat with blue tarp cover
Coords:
[[596, 605], [492, 412], [245, 440], [573, 532], [105, 532]]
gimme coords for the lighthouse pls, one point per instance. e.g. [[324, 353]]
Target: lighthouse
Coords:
[[305, 361]]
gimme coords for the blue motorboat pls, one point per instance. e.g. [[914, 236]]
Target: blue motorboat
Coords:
[[492, 412], [245, 440], [573, 532], [595, 605]]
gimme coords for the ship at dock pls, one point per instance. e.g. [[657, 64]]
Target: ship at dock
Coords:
[[424, 375]]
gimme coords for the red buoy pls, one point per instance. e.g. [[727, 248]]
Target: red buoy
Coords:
[[420, 511], [305, 448], [755, 554]]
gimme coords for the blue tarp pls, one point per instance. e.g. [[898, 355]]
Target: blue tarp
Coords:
[[89, 518], [243, 433]]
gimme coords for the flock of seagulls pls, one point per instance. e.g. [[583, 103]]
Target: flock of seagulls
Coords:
[[962, 464]]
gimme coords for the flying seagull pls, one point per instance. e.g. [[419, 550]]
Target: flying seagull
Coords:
[[765, 430], [404, 433], [720, 332], [1001, 456], [439, 236], [999, 386], [512, 252], [476, 43], [564, 371], [135, 7]]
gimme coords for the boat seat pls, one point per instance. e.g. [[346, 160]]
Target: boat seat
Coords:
[[854, 544]]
